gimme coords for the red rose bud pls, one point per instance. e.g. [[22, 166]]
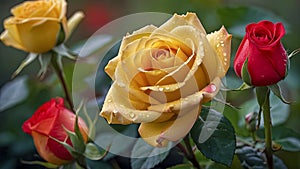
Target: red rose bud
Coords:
[[50, 122], [261, 60]]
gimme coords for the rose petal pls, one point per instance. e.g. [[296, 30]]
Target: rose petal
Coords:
[[157, 134], [9, 39], [181, 20], [117, 109], [221, 43], [40, 142]]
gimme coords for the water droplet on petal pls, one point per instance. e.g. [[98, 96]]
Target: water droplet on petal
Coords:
[[131, 115], [122, 85], [109, 100], [161, 89]]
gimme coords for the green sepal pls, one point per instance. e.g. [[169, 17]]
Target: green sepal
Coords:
[[244, 86], [261, 95], [78, 145], [91, 124], [278, 92], [44, 63], [245, 74], [30, 58], [61, 36], [92, 152], [71, 150], [64, 51], [295, 52], [287, 68], [41, 163]]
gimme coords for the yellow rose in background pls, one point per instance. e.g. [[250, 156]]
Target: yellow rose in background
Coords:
[[35, 25], [162, 75]]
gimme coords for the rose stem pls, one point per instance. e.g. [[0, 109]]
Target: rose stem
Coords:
[[268, 132], [61, 76], [190, 153]]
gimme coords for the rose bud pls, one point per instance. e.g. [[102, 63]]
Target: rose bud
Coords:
[[50, 122], [162, 75], [261, 59], [35, 25], [251, 121]]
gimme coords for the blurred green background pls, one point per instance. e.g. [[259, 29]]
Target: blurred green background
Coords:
[[233, 14]]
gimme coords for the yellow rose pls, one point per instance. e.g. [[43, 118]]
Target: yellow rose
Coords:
[[162, 75], [35, 25]]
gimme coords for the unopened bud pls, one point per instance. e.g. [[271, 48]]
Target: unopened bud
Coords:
[[251, 121]]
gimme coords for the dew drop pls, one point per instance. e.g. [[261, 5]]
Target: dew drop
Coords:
[[147, 115], [161, 89], [122, 85], [222, 44], [131, 115], [109, 100], [225, 54]]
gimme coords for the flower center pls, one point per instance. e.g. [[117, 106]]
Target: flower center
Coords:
[[161, 54]]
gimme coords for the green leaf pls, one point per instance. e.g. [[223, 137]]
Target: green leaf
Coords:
[[13, 92], [287, 138], [144, 156], [183, 166], [214, 136], [30, 58], [92, 152], [117, 140], [94, 164], [278, 92], [236, 18]]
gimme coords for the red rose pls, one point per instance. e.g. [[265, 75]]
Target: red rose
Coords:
[[267, 58], [48, 121]]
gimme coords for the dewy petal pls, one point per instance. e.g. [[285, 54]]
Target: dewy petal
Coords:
[[158, 133], [221, 43], [181, 20], [117, 109], [111, 67]]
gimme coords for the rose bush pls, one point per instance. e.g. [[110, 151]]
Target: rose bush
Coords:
[[162, 75], [35, 25], [264, 54], [48, 122]]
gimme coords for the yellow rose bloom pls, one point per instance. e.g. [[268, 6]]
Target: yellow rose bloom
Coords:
[[162, 75], [35, 25]]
